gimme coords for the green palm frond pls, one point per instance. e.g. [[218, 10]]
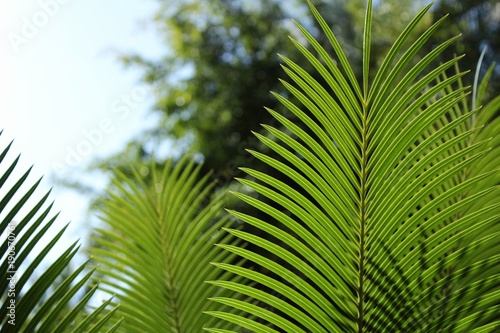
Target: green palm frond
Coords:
[[156, 249], [26, 305], [386, 217]]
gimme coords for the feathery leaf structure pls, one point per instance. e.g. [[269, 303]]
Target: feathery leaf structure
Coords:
[[36, 295], [156, 251], [389, 218]]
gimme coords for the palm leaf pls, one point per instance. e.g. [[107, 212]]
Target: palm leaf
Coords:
[[157, 246], [386, 218], [26, 306]]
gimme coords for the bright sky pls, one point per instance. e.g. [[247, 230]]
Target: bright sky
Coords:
[[64, 96]]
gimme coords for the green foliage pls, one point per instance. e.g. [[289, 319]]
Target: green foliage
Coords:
[[155, 252], [212, 83], [220, 62], [371, 203], [26, 305], [388, 218]]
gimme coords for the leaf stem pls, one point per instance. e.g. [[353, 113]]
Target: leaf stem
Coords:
[[362, 215]]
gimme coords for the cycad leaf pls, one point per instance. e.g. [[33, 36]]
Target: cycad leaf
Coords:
[[156, 250], [385, 216], [26, 303]]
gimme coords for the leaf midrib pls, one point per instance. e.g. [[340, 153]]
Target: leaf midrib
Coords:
[[362, 217]]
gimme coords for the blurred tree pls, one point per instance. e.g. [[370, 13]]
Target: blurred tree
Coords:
[[215, 79]]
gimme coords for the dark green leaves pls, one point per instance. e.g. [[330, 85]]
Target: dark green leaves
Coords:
[[36, 294]]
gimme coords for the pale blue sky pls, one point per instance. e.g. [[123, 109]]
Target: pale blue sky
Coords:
[[64, 80]]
